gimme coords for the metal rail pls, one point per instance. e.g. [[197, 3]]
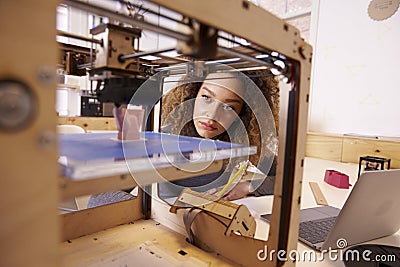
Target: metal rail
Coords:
[[126, 19]]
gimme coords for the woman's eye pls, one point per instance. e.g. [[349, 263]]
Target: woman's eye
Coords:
[[206, 98], [228, 108]]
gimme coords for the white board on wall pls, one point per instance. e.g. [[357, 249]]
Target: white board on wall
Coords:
[[356, 72]]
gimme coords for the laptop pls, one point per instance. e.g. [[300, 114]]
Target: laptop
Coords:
[[371, 211]]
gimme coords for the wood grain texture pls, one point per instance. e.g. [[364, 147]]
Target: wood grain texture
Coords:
[[324, 146], [88, 221], [29, 228], [106, 247], [350, 149], [90, 123], [318, 195]]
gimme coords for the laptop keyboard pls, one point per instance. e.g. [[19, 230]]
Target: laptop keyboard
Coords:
[[316, 231]]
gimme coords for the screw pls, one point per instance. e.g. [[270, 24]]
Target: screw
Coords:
[[47, 140], [46, 75]]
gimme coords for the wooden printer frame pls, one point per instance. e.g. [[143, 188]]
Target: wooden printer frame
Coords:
[[31, 229]]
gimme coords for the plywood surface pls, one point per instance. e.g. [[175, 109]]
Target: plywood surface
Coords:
[[90, 123], [350, 148], [120, 246]]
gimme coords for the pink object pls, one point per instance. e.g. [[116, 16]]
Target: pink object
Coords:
[[337, 179], [129, 122]]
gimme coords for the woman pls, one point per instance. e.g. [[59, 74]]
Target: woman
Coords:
[[225, 106]]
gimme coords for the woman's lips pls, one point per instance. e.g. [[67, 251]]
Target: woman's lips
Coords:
[[207, 126]]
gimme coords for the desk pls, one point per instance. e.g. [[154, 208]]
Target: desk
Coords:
[[166, 231], [314, 170]]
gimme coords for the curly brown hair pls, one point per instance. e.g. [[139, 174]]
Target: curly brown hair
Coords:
[[179, 117]]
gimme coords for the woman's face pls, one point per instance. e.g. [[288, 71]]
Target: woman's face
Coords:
[[215, 109]]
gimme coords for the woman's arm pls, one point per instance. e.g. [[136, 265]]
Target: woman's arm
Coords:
[[245, 188]]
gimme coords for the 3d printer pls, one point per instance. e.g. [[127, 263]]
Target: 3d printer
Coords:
[[117, 63]]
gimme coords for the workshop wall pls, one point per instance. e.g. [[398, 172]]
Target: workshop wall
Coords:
[[355, 86]]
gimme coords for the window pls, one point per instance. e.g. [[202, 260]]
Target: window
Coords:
[[295, 12]]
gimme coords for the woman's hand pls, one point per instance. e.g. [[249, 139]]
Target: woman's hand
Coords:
[[241, 190]]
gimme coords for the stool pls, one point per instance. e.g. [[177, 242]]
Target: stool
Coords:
[[368, 159]]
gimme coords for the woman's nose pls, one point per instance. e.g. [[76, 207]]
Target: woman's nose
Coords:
[[213, 111]]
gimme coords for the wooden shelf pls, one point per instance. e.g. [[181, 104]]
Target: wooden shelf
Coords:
[[349, 148], [90, 123]]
